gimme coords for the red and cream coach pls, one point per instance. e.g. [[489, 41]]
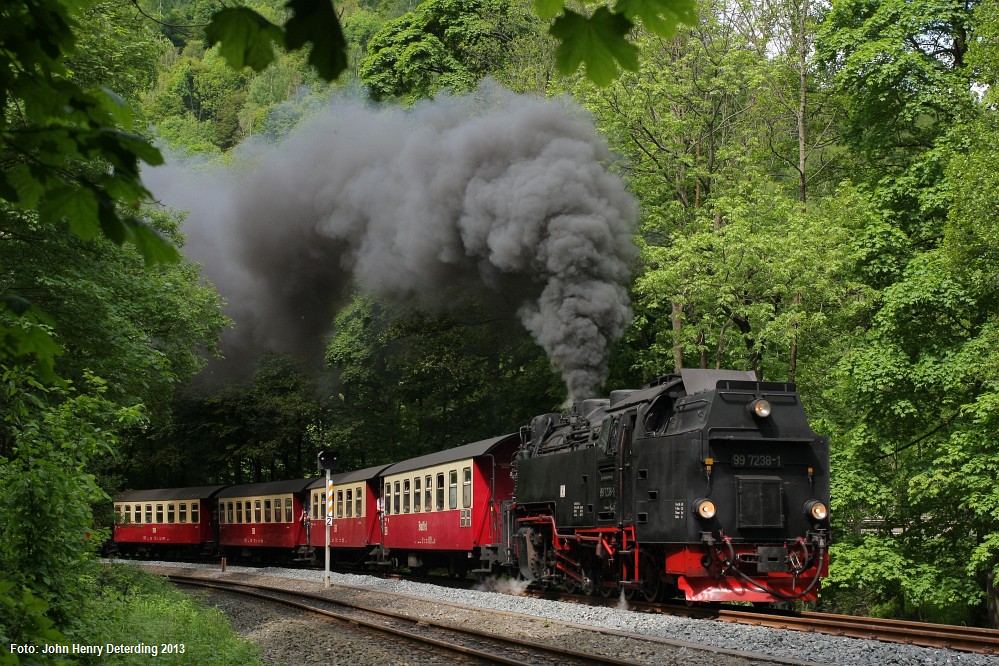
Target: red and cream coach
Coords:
[[445, 508], [354, 519], [265, 520], [166, 521]]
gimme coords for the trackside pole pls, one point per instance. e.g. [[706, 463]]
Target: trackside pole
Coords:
[[327, 459], [329, 519]]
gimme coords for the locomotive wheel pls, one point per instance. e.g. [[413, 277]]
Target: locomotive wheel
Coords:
[[588, 586], [652, 584]]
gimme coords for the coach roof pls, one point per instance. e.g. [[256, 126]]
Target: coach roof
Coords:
[[267, 488], [365, 474], [450, 455], [167, 494]]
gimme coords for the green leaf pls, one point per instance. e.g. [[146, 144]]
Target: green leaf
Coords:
[[247, 39], [315, 21], [546, 9], [660, 16], [154, 248], [76, 205], [598, 41]]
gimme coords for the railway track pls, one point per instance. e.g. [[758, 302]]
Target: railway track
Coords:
[[968, 639], [953, 637], [469, 642]]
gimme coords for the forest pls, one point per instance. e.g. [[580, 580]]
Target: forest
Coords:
[[804, 191]]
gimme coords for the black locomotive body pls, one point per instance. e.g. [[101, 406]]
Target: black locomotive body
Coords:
[[707, 484]]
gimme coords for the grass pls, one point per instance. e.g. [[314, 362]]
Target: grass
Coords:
[[133, 608]]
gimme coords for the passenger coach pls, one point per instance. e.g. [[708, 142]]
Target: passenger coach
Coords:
[[265, 520], [354, 524], [167, 521], [445, 509]]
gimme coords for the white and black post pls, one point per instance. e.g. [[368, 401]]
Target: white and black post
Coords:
[[327, 459]]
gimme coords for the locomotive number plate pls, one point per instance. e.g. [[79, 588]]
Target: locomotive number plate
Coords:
[[756, 460]]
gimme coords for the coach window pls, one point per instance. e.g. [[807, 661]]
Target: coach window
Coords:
[[138, 513], [428, 492], [396, 503], [350, 503], [229, 513], [183, 512], [195, 518], [126, 513], [149, 513], [267, 511], [256, 511], [288, 508], [239, 512], [315, 506], [466, 487], [339, 503], [159, 513], [416, 494], [405, 496], [452, 489], [278, 512], [440, 491], [357, 502], [171, 513]]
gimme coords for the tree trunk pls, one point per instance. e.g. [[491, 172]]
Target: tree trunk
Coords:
[[992, 600], [677, 329]]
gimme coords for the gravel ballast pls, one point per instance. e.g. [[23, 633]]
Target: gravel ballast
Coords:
[[787, 644]]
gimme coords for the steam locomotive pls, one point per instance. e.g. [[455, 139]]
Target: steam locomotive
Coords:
[[706, 484]]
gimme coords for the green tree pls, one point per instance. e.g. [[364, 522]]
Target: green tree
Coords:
[[50, 436], [441, 45], [408, 383], [915, 395]]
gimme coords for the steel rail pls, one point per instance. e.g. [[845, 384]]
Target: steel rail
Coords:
[[533, 649], [923, 634]]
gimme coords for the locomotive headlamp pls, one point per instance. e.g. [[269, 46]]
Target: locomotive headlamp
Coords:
[[816, 510], [704, 508], [760, 407]]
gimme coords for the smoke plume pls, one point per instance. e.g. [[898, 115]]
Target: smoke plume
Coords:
[[504, 197]]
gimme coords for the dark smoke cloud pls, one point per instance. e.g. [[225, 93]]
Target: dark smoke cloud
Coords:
[[503, 196]]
